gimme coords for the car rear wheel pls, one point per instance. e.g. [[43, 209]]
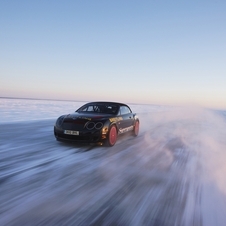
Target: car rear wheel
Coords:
[[136, 128], [112, 136]]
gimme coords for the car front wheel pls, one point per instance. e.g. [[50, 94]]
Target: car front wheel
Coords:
[[112, 136]]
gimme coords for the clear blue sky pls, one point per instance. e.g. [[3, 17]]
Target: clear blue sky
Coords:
[[157, 52]]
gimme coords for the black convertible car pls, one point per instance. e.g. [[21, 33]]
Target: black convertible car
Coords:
[[97, 122]]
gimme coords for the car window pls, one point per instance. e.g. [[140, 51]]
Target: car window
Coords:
[[124, 110], [90, 108], [100, 108], [110, 109]]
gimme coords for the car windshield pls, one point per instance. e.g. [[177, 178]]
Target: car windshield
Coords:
[[102, 108]]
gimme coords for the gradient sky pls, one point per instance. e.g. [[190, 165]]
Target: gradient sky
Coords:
[[156, 51]]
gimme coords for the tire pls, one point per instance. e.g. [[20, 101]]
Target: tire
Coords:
[[112, 136], [136, 128]]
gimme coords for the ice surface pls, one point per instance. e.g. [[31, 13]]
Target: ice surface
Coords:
[[12, 110], [173, 173]]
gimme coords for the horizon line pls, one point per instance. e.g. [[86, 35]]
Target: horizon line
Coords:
[[49, 99]]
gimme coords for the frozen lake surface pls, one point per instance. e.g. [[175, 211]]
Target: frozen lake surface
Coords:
[[14, 110], [173, 173]]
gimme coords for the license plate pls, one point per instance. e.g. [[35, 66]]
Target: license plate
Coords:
[[70, 132]]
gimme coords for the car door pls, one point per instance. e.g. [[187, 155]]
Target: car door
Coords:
[[127, 119]]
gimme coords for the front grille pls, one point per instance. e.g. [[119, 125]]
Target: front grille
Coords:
[[77, 124]]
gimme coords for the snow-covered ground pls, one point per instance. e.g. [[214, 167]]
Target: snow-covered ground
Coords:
[[13, 110], [173, 173]]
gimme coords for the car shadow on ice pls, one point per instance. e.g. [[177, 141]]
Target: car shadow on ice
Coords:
[[123, 139], [79, 147]]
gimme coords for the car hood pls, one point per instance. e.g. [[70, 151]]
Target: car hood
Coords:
[[87, 116]]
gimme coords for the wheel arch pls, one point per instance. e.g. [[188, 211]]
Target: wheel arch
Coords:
[[113, 124]]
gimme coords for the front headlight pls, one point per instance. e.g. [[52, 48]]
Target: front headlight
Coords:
[[59, 121], [91, 125]]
